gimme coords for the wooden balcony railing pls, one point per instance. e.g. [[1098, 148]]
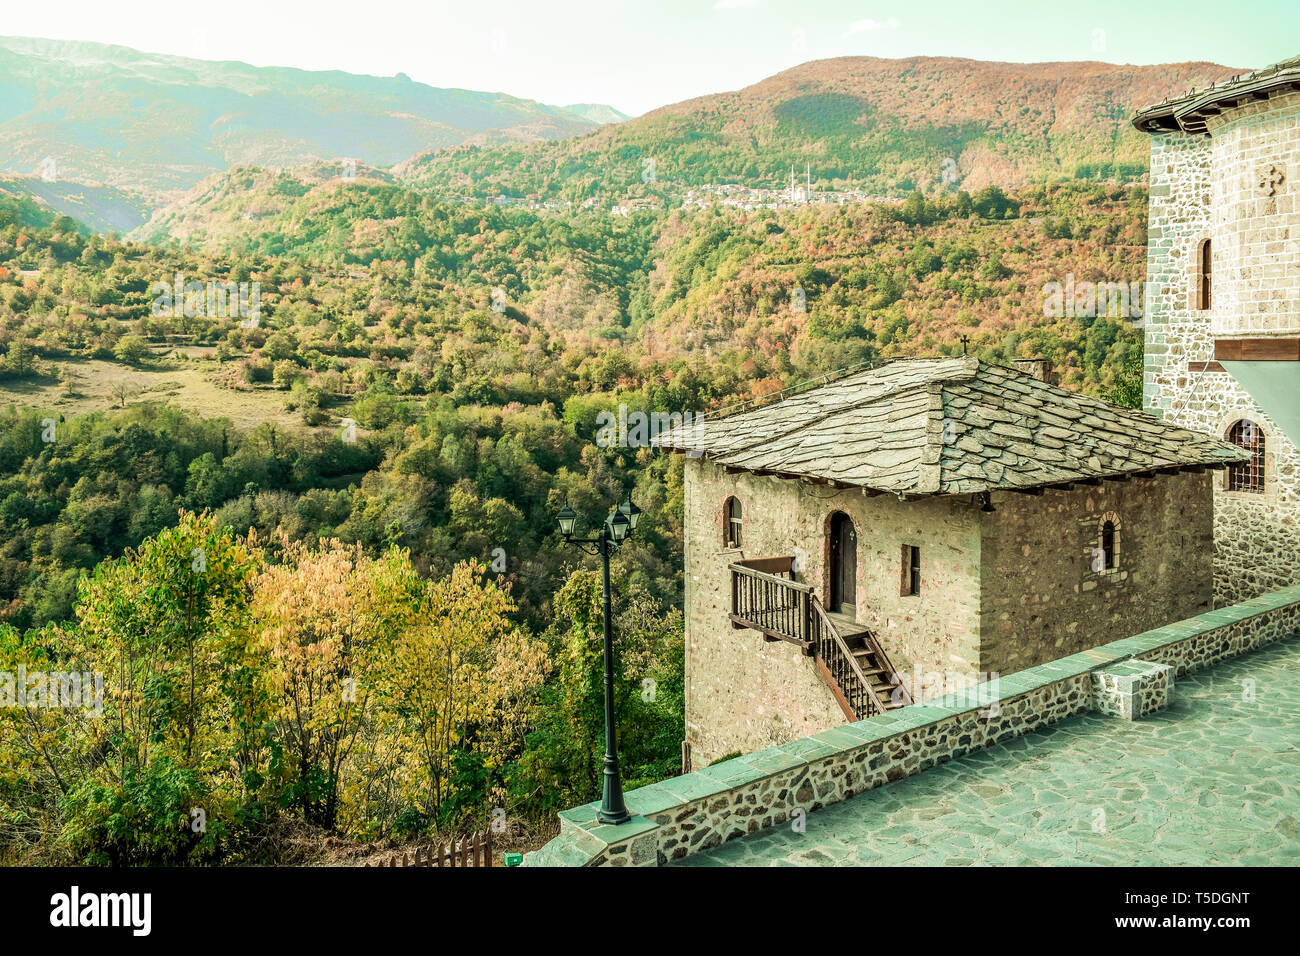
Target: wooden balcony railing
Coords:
[[777, 606]]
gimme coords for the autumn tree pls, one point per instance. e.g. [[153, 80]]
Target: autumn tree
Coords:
[[463, 678], [324, 619]]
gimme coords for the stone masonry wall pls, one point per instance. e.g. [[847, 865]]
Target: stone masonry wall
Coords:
[[1209, 188], [1254, 229], [999, 592], [1042, 596], [744, 693]]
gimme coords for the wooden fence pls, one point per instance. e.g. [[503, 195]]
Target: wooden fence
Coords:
[[475, 851]]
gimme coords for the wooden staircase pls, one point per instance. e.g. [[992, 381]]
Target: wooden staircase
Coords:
[[884, 682], [765, 597]]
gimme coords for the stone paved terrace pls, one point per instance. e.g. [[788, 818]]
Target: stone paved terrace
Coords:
[[1213, 779]]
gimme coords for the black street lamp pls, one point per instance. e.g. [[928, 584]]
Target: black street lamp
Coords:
[[612, 534]]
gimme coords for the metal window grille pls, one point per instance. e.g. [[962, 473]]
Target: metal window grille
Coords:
[[1248, 475]]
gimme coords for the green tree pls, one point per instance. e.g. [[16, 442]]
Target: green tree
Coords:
[[1126, 388], [131, 349], [21, 358], [183, 737]]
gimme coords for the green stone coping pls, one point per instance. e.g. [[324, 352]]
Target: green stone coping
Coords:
[[585, 829], [562, 852], [868, 731], [647, 801], [808, 748], [839, 739], [1132, 668], [774, 761], [578, 816], [610, 835], [584, 838], [734, 773], [694, 786]]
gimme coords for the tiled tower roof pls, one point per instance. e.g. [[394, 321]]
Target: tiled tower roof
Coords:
[[1189, 112]]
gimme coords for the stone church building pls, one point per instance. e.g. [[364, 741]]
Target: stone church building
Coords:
[[904, 530], [1223, 306]]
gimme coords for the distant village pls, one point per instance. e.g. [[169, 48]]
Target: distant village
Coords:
[[732, 195], [757, 197]]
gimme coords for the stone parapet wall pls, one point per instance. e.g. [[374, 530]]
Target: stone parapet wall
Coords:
[[1132, 688], [696, 811]]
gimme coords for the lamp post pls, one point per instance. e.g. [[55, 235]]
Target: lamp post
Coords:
[[612, 534]]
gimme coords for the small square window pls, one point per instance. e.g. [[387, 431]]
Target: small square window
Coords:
[[911, 571]]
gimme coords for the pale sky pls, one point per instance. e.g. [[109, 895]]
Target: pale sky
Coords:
[[640, 55]]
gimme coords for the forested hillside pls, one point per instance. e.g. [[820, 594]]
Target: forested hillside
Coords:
[[474, 350], [875, 279], [117, 131], [884, 126], [434, 434]]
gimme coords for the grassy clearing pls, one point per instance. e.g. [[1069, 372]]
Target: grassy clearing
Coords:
[[188, 384]]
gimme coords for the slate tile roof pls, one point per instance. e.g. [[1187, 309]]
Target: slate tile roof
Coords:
[[1189, 112], [945, 426]]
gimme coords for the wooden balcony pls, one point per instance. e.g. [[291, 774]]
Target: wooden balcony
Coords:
[[766, 598]]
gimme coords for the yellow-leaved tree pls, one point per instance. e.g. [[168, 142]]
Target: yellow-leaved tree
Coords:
[[463, 680], [325, 619]]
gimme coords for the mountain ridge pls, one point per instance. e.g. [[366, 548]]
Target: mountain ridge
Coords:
[[884, 125], [154, 124]]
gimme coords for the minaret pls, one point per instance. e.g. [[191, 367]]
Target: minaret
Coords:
[[807, 195]]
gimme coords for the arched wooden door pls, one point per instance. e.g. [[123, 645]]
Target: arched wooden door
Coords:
[[844, 565]]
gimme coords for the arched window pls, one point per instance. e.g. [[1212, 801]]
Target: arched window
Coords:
[[731, 514], [1247, 475], [1203, 275], [1108, 545], [1106, 554]]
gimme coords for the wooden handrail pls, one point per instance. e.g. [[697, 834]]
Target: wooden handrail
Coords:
[[767, 576], [900, 688], [837, 657], [780, 565]]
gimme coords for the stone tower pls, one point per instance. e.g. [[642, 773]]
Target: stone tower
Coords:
[[1223, 306]]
